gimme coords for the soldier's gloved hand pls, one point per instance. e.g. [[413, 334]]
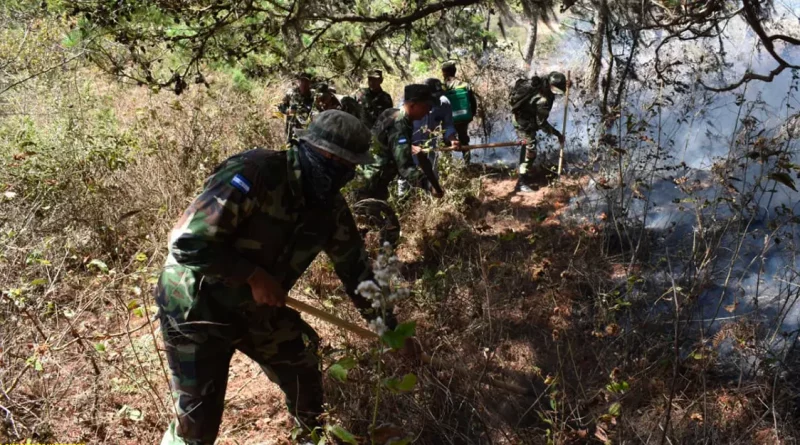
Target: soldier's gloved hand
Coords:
[[561, 139], [266, 289]]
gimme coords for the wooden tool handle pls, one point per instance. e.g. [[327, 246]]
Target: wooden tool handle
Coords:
[[332, 319], [564, 126], [479, 146]]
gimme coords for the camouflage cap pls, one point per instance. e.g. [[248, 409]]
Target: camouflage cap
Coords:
[[417, 93], [341, 134], [303, 75], [450, 64], [375, 74]]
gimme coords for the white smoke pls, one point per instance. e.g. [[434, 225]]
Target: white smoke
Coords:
[[755, 272]]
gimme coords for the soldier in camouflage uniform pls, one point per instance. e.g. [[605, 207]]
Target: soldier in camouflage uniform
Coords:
[[393, 134], [327, 99], [531, 111], [262, 218], [373, 100], [297, 105], [451, 83]]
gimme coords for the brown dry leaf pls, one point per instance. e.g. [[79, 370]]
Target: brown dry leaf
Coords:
[[697, 417], [731, 307], [612, 329]]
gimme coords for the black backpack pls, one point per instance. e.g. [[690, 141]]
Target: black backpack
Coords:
[[523, 90]]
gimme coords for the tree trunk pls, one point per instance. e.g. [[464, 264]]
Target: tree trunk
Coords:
[[596, 49], [530, 43]]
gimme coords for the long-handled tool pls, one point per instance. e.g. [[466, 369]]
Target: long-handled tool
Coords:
[[564, 126], [479, 146], [433, 361]]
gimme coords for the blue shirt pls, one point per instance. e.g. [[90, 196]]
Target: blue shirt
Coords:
[[440, 115]]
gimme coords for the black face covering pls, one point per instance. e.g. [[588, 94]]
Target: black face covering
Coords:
[[322, 177]]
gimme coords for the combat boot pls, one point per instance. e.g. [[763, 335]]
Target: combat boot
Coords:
[[523, 186]]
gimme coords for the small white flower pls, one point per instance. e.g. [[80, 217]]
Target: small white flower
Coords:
[[368, 289], [378, 325], [383, 277]]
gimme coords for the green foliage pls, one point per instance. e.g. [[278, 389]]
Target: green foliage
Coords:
[[166, 44], [340, 369], [396, 339], [405, 384], [342, 434]]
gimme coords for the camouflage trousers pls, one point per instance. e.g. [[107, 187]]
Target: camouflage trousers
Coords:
[[527, 153], [199, 351]]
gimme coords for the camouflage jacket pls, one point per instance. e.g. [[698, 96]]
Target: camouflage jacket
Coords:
[[344, 103], [372, 104], [252, 213], [533, 113], [302, 106], [393, 133]]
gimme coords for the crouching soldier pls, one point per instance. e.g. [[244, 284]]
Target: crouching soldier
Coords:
[[394, 135], [531, 101], [261, 219]]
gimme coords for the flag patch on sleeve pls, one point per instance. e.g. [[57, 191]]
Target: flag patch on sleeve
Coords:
[[402, 141], [241, 183]]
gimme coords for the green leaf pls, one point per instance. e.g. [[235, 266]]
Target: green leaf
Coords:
[[397, 339], [406, 384], [133, 304], [347, 363], [338, 372], [100, 347], [408, 329], [342, 434], [34, 361], [615, 409], [141, 257], [101, 266], [784, 179], [39, 282]]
